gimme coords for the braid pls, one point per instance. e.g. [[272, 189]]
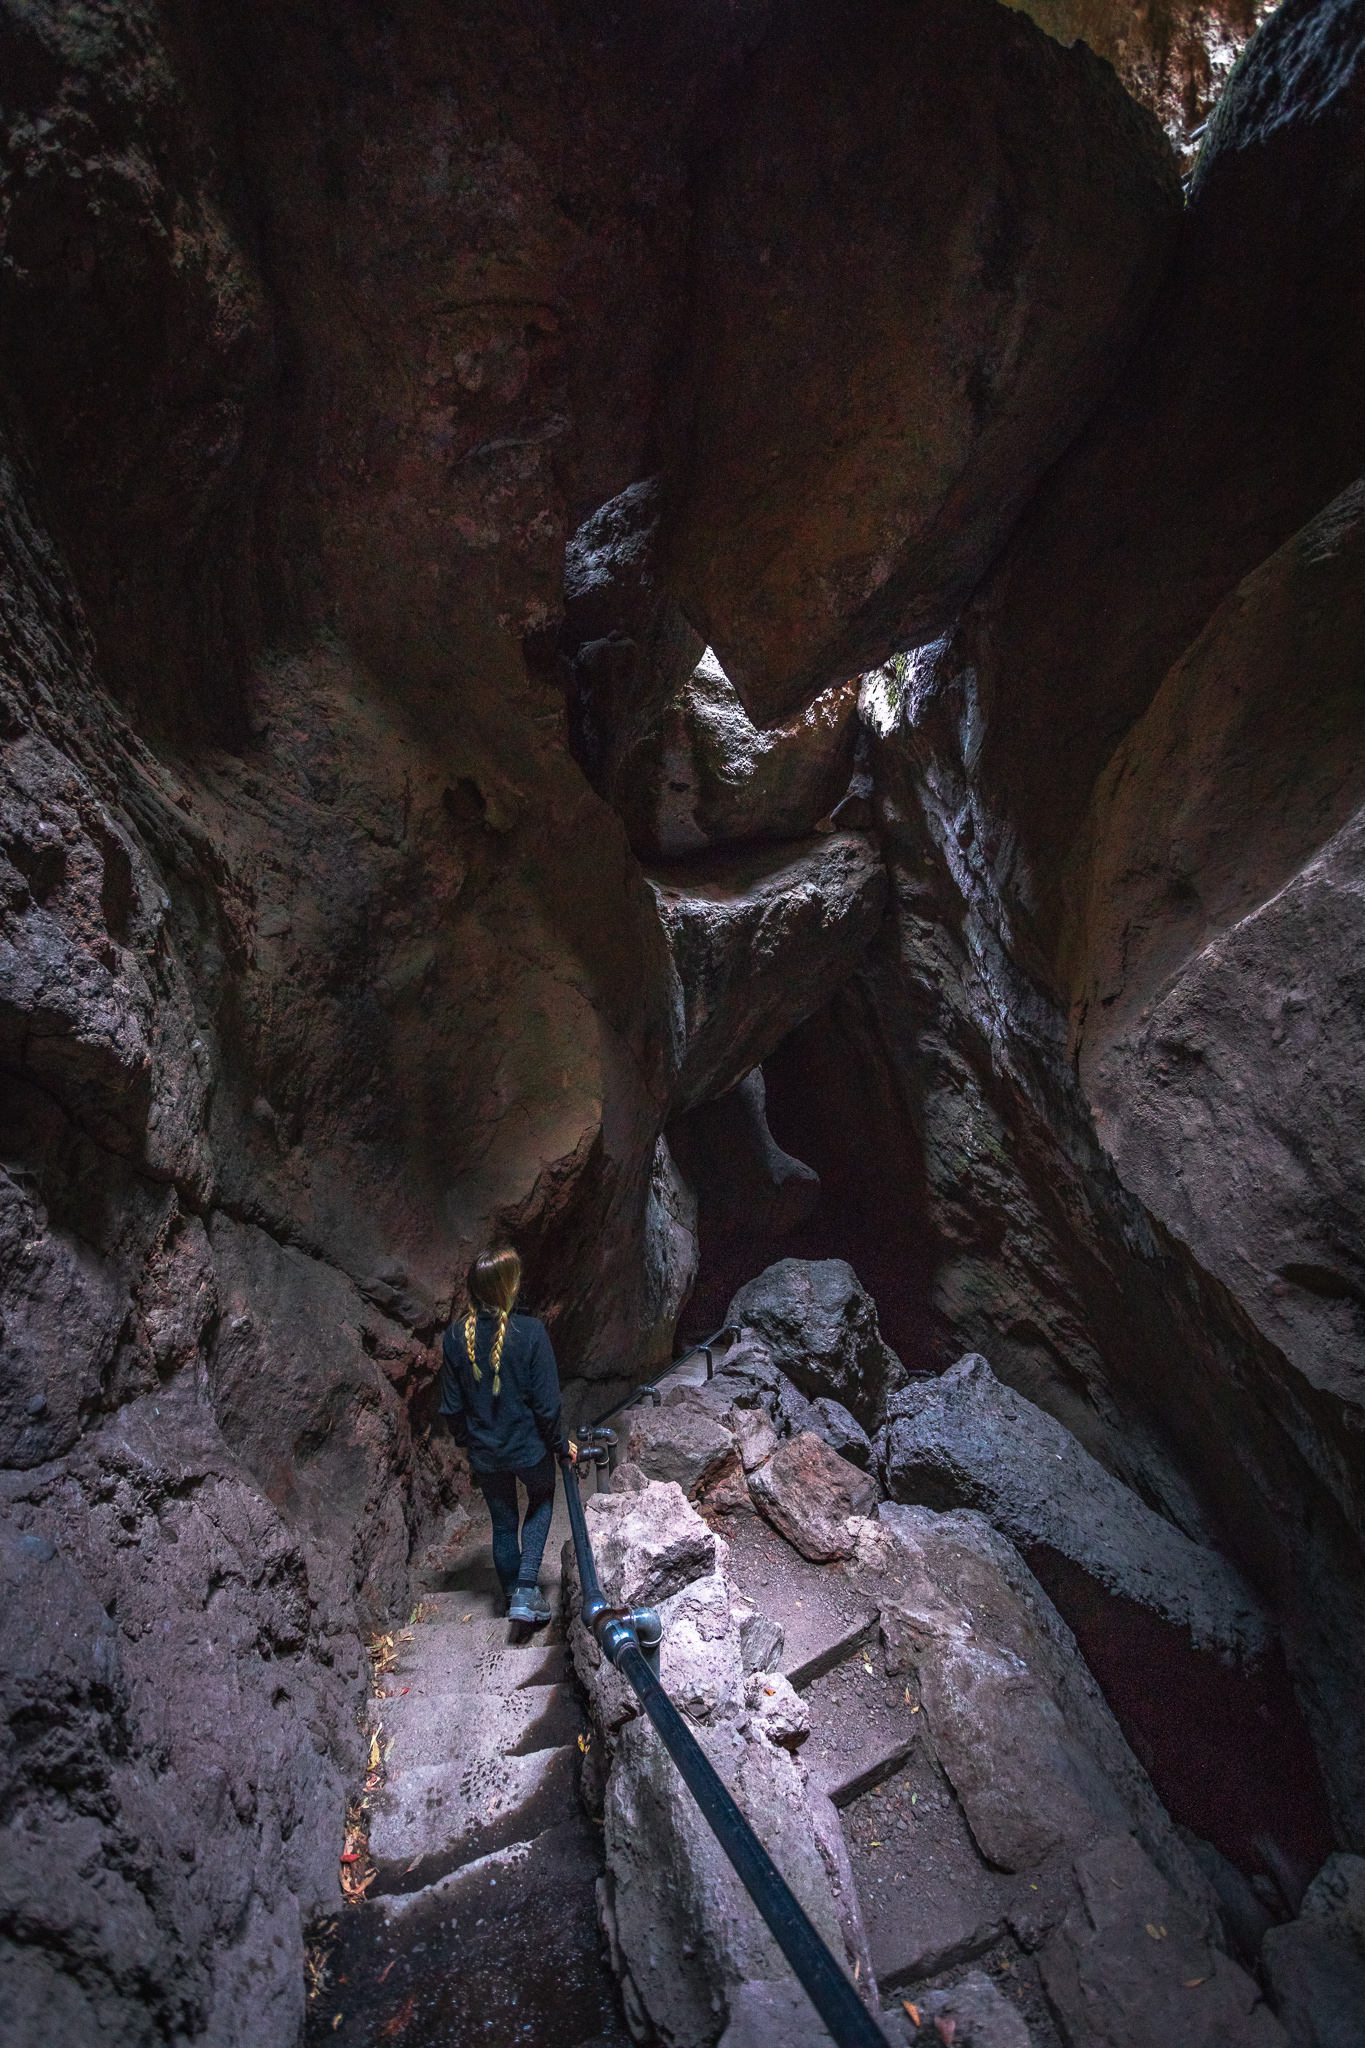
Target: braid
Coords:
[[470, 1325], [497, 1350]]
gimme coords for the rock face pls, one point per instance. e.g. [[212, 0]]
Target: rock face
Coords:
[[1315, 1967], [804, 548], [324, 962], [758, 940], [1216, 970]]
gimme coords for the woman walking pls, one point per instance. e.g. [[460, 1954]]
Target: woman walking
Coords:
[[500, 1395]]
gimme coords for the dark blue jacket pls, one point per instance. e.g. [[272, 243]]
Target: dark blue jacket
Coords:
[[523, 1423]]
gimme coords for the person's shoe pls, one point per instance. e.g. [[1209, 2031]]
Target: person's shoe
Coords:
[[528, 1605]]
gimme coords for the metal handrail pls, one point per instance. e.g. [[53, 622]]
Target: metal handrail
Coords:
[[704, 1347], [627, 1636]]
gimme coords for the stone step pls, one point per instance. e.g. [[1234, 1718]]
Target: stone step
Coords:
[[929, 1902], [433, 1818], [433, 1727], [863, 1726], [476, 1656], [825, 1619]]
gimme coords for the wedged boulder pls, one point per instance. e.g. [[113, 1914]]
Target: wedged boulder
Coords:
[[1315, 1967], [742, 1177], [691, 769], [682, 1443], [754, 1434], [965, 1440], [819, 1326], [810, 1493], [992, 217], [758, 940], [843, 1433]]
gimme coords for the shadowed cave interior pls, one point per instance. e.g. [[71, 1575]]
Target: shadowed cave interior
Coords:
[[723, 642]]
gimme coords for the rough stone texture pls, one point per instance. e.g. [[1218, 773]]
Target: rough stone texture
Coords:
[[1315, 1967], [758, 941], [1175, 59], [1132, 1965], [947, 1063], [981, 2017], [755, 1435], [820, 1328], [178, 1737], [322, 963], [1215, 969], [842, 1433], [681, 1443], [700, 773], [965, 1441], [840, 503], [690, 1951], [959, 1607], [810, 1493]]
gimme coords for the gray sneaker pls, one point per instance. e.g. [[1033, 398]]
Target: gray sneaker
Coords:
[[528, 1605]]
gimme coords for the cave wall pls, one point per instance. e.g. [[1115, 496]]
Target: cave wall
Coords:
[[324, 959]]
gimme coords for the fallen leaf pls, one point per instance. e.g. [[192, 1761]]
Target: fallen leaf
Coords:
[[857, 1968], [913, 2010], [391, 2029], [1190, 1982], [947, 2028], [1157, 1933], [466, 1617], [770, 1692], [385, 1971], [876, 1845], [350, 1857], [337, 2021], [412, 1866]]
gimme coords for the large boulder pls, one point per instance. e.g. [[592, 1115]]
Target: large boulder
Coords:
[[965, 1441], [811, 1494], [699, 773], [758, 940], [682, 1443], [1070, 1850], [1315, 1967], [1171, 1630], [819, 1326], [921, 257]]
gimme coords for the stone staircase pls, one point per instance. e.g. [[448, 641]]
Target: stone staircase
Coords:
[[481, 1921]]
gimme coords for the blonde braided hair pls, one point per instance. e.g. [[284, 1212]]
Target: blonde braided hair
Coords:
[[492, 1281]]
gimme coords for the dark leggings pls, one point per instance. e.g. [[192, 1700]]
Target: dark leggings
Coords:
[[519, 1563]]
